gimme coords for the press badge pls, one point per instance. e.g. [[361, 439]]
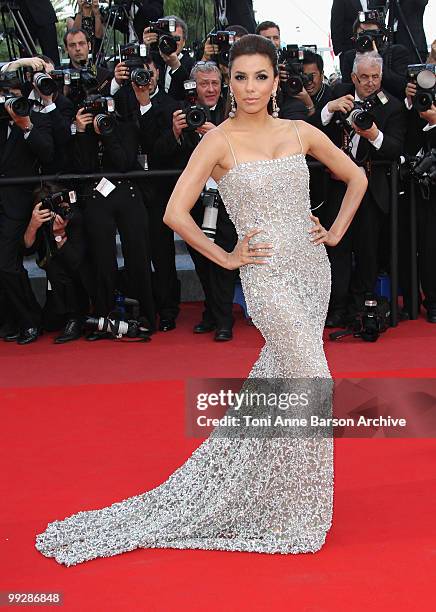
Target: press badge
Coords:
[[105, 187]]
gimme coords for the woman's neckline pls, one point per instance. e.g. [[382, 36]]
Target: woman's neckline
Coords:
[[259, 161]]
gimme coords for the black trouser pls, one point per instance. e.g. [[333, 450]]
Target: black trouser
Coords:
[[166, 285], [68, 297], [21, 308], [426, 247], [45, 34], [217, 282], [124, 210], [349, 286]]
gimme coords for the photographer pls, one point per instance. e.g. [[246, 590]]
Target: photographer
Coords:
[[382, 140], [23, 147], [78, 46], [109, 206], [218, 284], [270, 30], [155, 111], [372, 33], [293, 99], [89, 20], [56, 233], [410, 27], [174, 68], [421, 139]]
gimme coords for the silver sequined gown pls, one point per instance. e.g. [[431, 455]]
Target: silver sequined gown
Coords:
[[253, 494]]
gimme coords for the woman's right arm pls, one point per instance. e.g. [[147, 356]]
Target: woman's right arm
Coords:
[[207, 155]]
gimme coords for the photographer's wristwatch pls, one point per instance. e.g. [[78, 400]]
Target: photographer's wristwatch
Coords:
[[58, 238]]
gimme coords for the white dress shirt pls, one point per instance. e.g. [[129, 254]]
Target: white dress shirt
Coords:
[[326, 117], [169, 73]]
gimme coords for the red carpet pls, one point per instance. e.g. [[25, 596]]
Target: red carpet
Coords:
[[84, 425]]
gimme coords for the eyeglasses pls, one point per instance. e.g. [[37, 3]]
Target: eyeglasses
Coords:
[[375, 78]]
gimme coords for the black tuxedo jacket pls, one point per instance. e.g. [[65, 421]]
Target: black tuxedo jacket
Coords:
[[391, 119], [319, 101], [413, 11], [394, 79], [343, 16], [240, 12], [22, 157], [176, 89]]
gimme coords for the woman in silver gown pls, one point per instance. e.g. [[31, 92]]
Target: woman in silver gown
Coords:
[[246, 493]]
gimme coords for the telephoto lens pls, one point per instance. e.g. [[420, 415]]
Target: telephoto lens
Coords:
[[45, 84], [19, 105], [364, 43], [361, 118]]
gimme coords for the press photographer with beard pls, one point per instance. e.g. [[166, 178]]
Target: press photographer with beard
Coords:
[[24, 145], [60, 245], [382, 141], [394, 76], [179, 143], [110, 206], [174, 69], [154, 109], [421, 138], [269, 29]]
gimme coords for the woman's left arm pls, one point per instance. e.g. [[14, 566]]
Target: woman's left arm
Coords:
[[320, 147]]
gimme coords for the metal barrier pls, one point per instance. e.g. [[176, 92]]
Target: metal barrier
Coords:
[[147, 174]]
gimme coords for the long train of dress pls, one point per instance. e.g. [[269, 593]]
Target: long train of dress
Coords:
[[253, 493]]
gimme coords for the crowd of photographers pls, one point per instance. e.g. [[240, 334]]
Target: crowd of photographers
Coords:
[[149, 113]]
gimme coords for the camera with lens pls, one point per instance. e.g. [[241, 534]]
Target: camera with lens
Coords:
[[167, 40], [364, 40], [211, 200], [103, 109], [196, 114], [61, 203], [224, 40], [422, 169], [133, 56], [370, 322], [18, 104], [291, 57], [81, 82], [424, 77], [361, 114], [45, 83], [125, 320]]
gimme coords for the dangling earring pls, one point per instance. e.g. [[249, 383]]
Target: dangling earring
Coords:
[[232, 112], [275, 108]]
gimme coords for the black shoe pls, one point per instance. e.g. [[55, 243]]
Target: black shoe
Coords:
[[222, 335], [6, 330], [335, 319], [12, 336], [431, 316], [28, 335], [404, 315], [167, 325], [99, 335], [72, 331], [203, 328]]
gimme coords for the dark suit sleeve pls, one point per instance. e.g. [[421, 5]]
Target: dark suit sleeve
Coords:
[[347, 65], [395, 77], [84, 152], [121, 147], [41, 143], [73, 251], [393, 135], [337, 25]]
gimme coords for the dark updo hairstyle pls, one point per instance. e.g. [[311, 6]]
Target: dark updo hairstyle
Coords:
[[253, 44]]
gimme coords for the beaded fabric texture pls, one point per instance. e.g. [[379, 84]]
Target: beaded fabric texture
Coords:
[[250, 494]]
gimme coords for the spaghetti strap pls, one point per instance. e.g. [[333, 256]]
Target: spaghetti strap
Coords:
[[298, 134], [229, 143]]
